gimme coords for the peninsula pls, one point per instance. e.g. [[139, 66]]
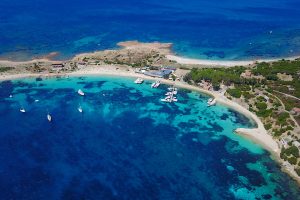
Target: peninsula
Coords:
[[267, 91]]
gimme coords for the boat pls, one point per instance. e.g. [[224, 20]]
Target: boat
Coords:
[[172, 89], [11, 96], [49, 117], [156, 84], [139, 81], [80, 109], [22, 110], [212, 102], [36, 100], [166, 100], [80, 92]]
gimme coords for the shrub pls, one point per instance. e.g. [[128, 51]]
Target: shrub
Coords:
[[292, 160], [297, 170], [234, 93], [261, 105], [292, 150]]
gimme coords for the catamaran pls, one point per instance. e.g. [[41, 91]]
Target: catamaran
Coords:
[[80, 92], [139, 81]]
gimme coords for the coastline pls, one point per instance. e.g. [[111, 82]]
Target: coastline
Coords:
[[258, 135], [162, 48], [221, 63]]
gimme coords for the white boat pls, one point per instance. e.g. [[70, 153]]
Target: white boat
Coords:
[[166, 100], [11, 96], [212, 102], [80, 109], [172, 89], [80, 92], [49, 117], [36, 100], [156, 84], [139, 81], [22, 110]]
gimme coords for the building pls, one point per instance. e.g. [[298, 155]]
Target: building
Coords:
[[57, 66], [159, 74], [295, 111]]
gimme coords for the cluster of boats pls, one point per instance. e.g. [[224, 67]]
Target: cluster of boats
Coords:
[[156, 84], [211, 102], [170, 95], [49, 117]]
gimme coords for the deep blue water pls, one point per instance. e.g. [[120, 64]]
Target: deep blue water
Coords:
[[213, 29], [127, 144]]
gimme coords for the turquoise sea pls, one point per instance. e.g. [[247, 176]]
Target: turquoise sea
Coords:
[[218, 30], [127, 144]]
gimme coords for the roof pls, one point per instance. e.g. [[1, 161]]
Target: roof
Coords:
[[169, 68], [161, 73], [297, 110]]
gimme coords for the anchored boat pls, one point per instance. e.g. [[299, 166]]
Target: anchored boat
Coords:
[[139, 81], [80, 92]]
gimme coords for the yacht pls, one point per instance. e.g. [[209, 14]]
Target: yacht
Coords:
[[49, 117], [139, 81], [22, 110], [80, 92]]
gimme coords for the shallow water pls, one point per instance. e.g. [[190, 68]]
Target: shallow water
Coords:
[[127, 144], [226, 30]]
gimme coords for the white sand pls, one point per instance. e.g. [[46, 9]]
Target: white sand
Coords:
[[224, 63]]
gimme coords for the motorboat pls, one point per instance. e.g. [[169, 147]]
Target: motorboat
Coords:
[[139, 81], [156, 84], [80, 92], [22, 110], [212, 102]]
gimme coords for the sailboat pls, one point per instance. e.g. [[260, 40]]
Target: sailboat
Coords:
[[80, 92], [80, 109], [49, 117]]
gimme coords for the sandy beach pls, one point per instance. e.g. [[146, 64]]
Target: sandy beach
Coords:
[[258, 135], [222, 63]]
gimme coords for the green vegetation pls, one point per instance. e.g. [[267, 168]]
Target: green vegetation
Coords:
[[5, 69], [237, 93], [297, 170], [261, 106], [292, 160], [292, 150]]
